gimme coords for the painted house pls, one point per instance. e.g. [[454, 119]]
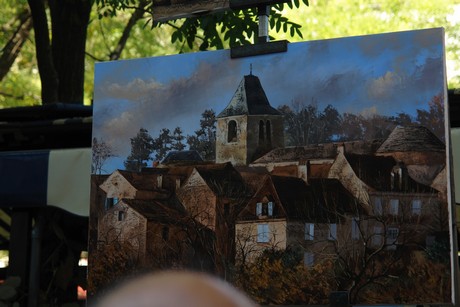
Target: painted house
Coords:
[[316, 161], [151, 228], [414, 196], [146, 215], [287, 212], [396, 182], [213, 195], [133, 185]]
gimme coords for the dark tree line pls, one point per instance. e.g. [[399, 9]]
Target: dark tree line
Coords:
[[303, 124], [306, 124], [145, 148]]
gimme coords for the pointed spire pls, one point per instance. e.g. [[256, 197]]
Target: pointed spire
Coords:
[[249, 99], [250, 69]]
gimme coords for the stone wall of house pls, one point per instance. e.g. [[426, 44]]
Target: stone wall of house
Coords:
[[125, 225], [200, 203], [117, 186], [247, 237]]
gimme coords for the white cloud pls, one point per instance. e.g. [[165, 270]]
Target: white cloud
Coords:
[[134, 90], [383, 87]]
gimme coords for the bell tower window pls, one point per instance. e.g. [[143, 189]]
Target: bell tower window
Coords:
[[269, 133], [261, 132], [232, 132]]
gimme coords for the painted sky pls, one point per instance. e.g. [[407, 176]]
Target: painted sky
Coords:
[[377, 74]]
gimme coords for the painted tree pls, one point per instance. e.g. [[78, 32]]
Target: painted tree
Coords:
[[305, 124], [178, 139], [204, 140], [280, 277], [433, 118], [141, 151], [162, 144], [101, 152]]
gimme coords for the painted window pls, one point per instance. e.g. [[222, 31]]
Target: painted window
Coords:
[[392, 235], [121, 216], [110, 202], [232, 132], [160, 181], [308, 259], [377, 236], [270, 208], [265, 133], [394, 206], [259, 209], [263, 233], [332, 232], [309, 231], [416, 207], [261, 132], [269, 133], [264, 209]]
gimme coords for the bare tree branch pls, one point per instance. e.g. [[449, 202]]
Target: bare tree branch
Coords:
[[13, 47], [135, 17]]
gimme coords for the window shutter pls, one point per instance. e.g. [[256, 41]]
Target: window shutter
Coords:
[[308, 259], [259, 209], [309, 231], [270, 208], [332, 231], [394, 204], [377, 238], [416, 207]]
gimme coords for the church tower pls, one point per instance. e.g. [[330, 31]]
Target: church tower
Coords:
[[249, 126]]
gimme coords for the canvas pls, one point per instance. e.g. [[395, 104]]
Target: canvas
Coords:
[[293, 175]]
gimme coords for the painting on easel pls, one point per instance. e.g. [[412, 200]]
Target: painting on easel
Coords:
[[291, 175]]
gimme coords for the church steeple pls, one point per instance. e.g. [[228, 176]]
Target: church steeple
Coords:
[[249, 99], [249, 126]]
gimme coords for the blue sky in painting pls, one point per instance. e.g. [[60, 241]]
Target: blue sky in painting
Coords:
[[378, 74]]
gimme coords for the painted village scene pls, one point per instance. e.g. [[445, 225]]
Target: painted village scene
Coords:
[[290, 175]]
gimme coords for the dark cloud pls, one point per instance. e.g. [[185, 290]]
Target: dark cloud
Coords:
[[133, 90], [156, 106]]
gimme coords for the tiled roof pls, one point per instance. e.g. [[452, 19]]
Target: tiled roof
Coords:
[[320, 200], [318, 151], [249, 99], [299, 153], [140, 181], [182, 156], [163, 211], [223, 179], [411, 138], [253, 176]]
